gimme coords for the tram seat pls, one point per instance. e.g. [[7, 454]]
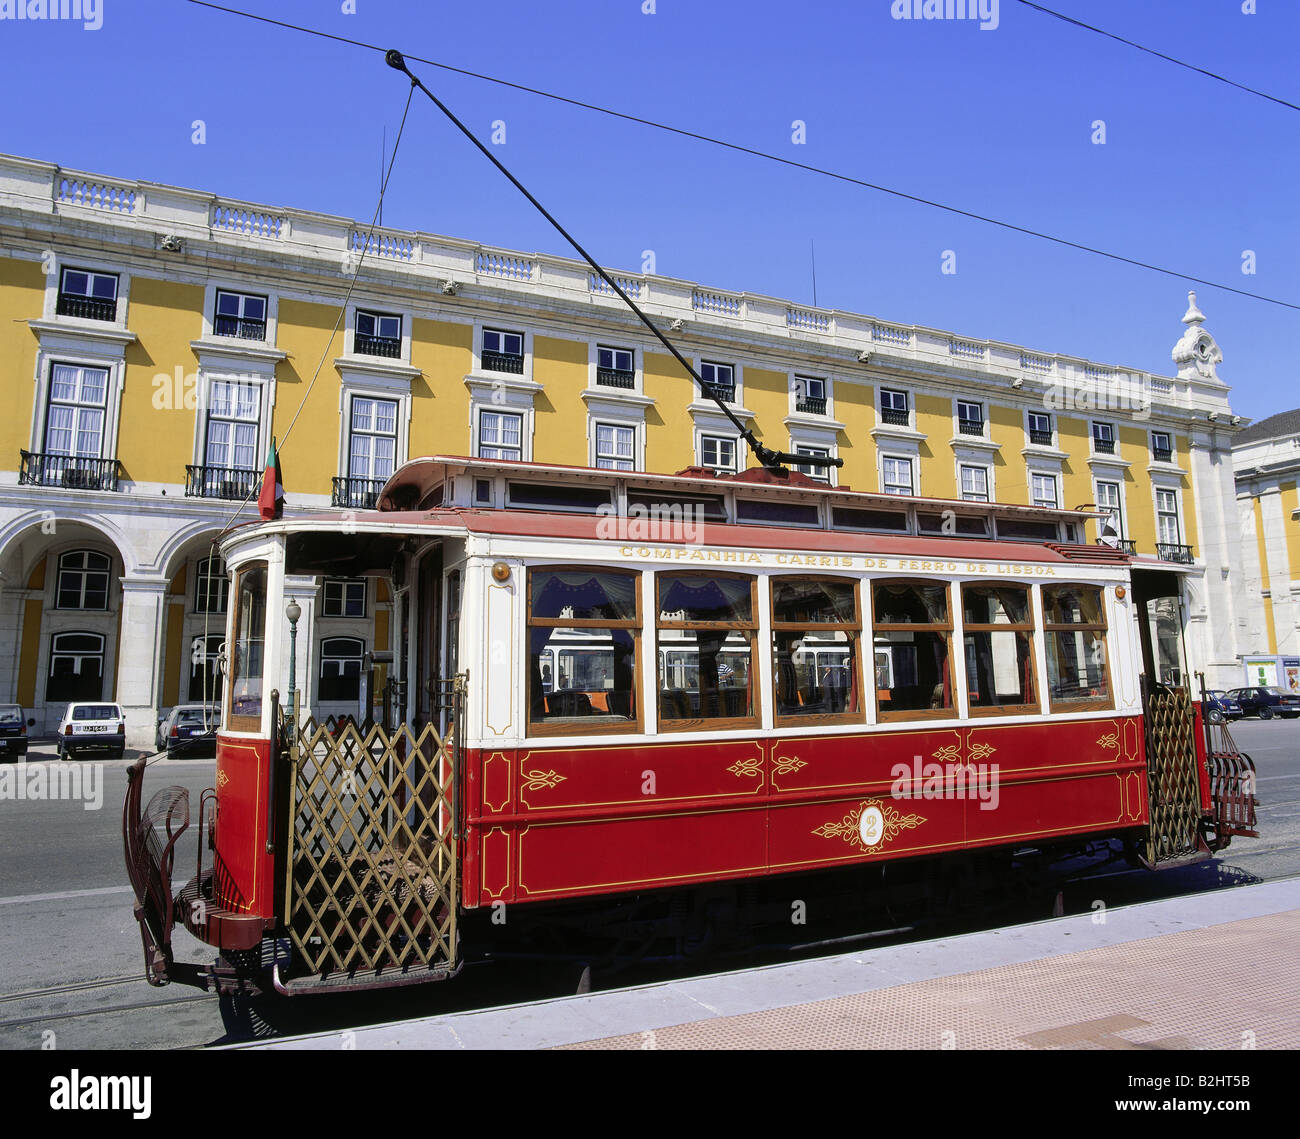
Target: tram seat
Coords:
[[620, 703], [569, 703], [735, 701]]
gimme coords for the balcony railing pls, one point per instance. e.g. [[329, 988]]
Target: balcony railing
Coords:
[[1103, 446], [87, 308], [724, 392], [240, 327], [1168, 552], [68, 471], [363, 345], [613, 378], [1128, 545], [356, 494], [811, 405], [898, 416], [1161, 455], [221, 482], [1041, 438], [502, 362], [970, 426]]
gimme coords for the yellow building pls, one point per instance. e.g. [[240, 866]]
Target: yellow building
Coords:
[[155, 339]]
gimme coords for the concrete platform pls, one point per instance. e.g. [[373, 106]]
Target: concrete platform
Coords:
[[1210, 971]]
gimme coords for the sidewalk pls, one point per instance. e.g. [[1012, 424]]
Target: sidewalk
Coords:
[[1214, 970]]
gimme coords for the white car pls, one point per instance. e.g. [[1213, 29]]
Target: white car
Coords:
[[96, 726]]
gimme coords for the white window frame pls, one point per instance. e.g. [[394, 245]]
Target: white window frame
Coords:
[[910, 403], [243, 297], [206, 419], [1093, 424], [353, 433], [818, 474], [265, 383], [737, 398], [1055, 504], [1173, 450], [957, 405], [79, 405], [799, 382], [1176, 513], [210, 310], [355, 384], [913, 471], [704, 437], [1119, 505], [975, 496], [342, 588], [633, 458], [1029, 427], [525, 433]]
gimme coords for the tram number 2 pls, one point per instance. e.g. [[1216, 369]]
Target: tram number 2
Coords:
[[871, 826]]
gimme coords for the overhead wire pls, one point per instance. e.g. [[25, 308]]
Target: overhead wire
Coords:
[[770, 157]]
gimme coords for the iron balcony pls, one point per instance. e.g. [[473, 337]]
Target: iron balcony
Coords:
[[898, 416], [71, 472], [1170, 552], [87, 308], [221, 482], [356, 494]]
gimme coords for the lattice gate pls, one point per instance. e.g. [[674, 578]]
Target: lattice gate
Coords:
[[372, 885], [1172, 784]]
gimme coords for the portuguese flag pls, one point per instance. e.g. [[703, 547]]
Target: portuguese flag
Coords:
[[270, 502]]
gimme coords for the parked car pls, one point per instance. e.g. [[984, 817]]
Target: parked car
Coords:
[[13, 730], [1266, 702], [1220, 706], [92, 727], [188, 729]]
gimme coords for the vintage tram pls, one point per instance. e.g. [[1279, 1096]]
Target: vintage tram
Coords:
[[612, 692]]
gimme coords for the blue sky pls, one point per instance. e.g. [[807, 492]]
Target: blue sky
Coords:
[[999, 122]]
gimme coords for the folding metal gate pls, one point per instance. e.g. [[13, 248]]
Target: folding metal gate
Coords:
[[372, 882], [1172, 783]]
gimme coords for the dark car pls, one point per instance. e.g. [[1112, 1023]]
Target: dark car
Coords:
[[1266, 702], [13, 731], [1220, 706], [189, 729]]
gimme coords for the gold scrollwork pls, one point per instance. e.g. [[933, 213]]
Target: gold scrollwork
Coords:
[[744, 768], [536, 780], [850, 828], [787, 765], [950, 753], [1109, 740], [222, 778], [980, 750]]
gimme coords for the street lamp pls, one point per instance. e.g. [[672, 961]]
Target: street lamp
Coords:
[[293, 611]]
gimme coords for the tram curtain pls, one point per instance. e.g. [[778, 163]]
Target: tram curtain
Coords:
[[583, 595], [705, 599]]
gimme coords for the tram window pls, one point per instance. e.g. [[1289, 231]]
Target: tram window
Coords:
[[1074, 620], [707, 631], [816, 627], [847, 518], [583, 632], [784, 513], [964, 525], [247, 652], [913, 627], [998, 626], [1020, 530]]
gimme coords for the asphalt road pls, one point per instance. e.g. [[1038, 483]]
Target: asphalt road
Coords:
[[73, 974]]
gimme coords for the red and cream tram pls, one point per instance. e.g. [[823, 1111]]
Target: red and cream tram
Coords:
[[619, 686]]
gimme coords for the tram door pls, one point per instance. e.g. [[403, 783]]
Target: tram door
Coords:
[[1173, 786], [374, 885]]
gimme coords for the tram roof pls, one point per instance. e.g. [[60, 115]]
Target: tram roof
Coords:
[[416, 481]]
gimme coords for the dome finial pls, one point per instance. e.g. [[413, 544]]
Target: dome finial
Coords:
[[1193, 315]]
